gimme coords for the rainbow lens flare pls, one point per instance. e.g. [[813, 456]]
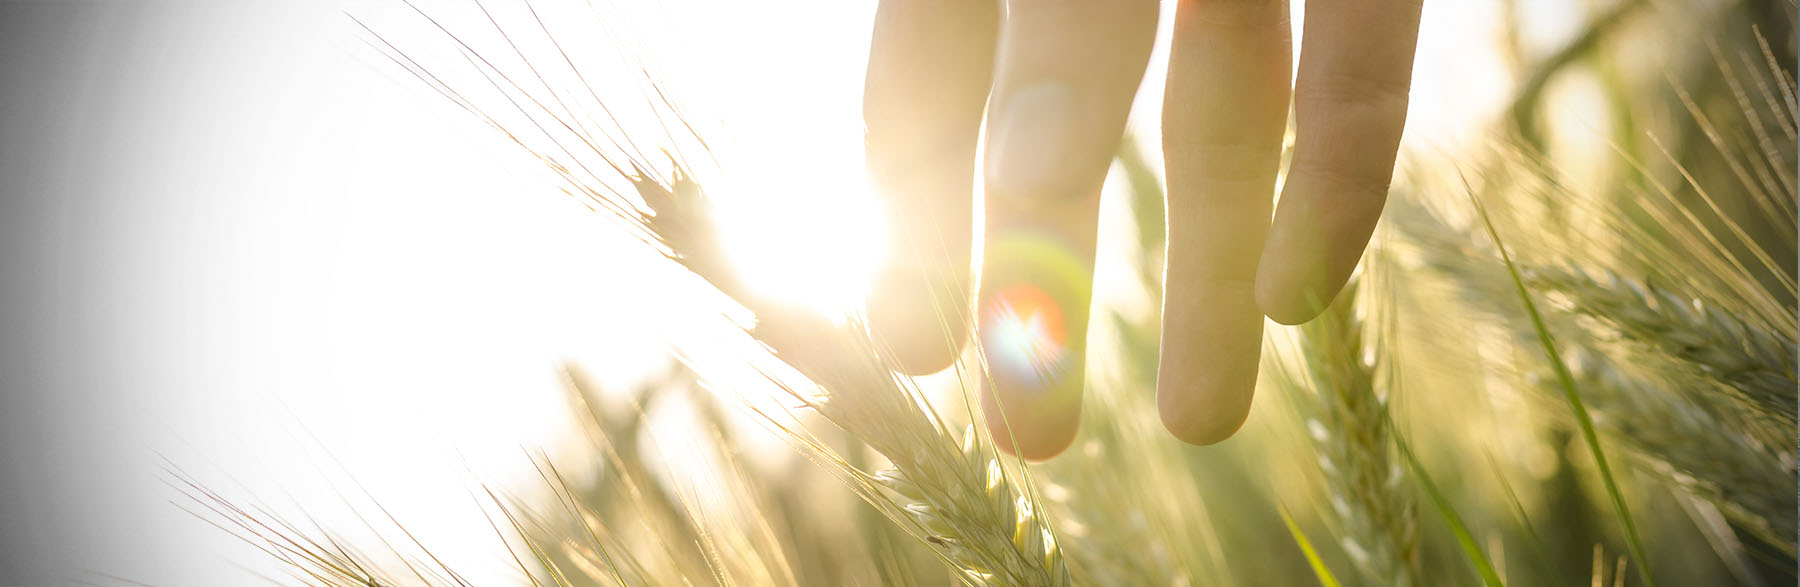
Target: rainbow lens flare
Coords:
[[1033, 323], [1024, 334]]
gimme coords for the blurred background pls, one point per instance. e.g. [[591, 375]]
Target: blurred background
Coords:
[[242, 247]]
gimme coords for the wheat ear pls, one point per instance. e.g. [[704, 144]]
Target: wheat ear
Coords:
[[1756, 362], [1665, 429], [1692, 448], [956, 497], [1349, 426]]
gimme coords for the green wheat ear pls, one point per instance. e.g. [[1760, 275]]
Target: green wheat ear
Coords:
[[1757, 363], [1349, 425], [1583, 420], [1666, 426]]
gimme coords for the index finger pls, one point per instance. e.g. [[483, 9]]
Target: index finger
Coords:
[[1349, 110]]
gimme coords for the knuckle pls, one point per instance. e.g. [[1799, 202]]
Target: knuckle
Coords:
[[1379, 93], [1232, 12], [1220, 161], [1340, 177]]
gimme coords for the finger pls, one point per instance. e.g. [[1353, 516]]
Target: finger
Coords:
[[1349, 107], [930, 66], [1224, 113], [1068, 71]]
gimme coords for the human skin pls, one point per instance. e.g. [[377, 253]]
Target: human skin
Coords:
[[1053, 81]]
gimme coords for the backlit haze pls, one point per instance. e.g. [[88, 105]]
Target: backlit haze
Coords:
[[317, 276]]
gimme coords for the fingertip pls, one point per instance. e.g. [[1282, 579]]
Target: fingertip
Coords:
[[920, 323], [1198, 428], [1032, 332], [1034, 418], [1286, 301], [1031, 447], [1204, 392], [1319, 235], [1297, 283], [1033, 437], [1211, 348], [914, 350]]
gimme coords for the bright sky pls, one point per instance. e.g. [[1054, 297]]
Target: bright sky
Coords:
[[325, 258]]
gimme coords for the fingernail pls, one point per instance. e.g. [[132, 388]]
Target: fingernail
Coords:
[[1032, 139]]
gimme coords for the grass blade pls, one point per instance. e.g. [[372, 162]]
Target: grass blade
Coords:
[[1464, 538], [1306, 547], [1512, 498], [1567, 381]]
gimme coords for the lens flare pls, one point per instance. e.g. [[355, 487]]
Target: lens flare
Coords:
[[1031, 323], [1025, 336]]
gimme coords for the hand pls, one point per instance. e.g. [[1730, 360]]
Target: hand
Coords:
[[1056, 79]]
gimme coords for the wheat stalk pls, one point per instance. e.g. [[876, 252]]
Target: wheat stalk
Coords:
[[1349, 426]]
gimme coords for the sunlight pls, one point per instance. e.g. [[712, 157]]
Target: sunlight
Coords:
[[811, 237], [346, 296], [781, 111]]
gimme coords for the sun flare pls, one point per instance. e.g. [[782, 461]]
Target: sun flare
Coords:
[[812, 238]]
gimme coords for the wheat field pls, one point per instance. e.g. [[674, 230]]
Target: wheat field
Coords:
[[1568, 357]]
